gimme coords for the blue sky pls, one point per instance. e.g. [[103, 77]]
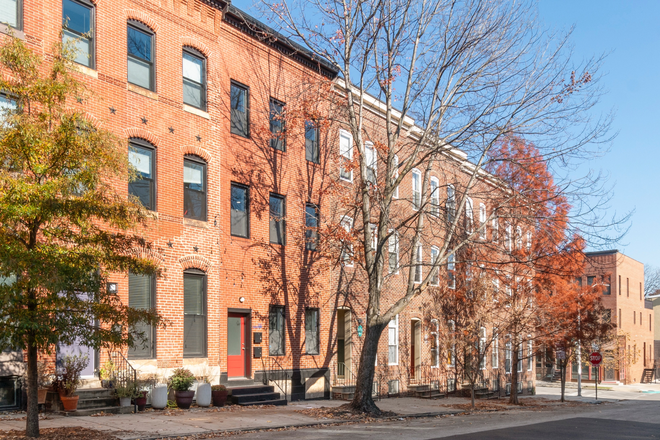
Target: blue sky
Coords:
[[628, 32]]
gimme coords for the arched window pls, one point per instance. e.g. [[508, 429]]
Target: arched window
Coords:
[[141, 156], [194, 188], [194, 78]]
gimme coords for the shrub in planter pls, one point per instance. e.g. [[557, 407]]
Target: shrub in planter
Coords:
[[125, 392], [141, 400], [108, 374], [67, 380], [181, 381], [219, 394]]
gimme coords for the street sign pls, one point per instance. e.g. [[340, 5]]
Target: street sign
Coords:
[[595, 358]]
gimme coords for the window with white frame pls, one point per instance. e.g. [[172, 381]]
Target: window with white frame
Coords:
[[529, 241], [507, 355], [435, 343], [518, 238], [507, 237], [346, 155], [393, 252], [530, 353], [469, 215], [451, 352], [435, 253], [495, 355], [482, 221], [521, 354], [416, 189], [371, 162], [451, 203], [496, 229], [395, 175], [482, 348], [374, 236], [451, 271], [435, 196], [347, 248], [418, 264], [393, 341]]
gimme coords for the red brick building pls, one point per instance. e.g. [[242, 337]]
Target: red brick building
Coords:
[[192, 86]]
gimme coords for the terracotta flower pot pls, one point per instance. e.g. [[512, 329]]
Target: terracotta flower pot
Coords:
[[43, 392], [219, 397], [69, 403], [184, 399]]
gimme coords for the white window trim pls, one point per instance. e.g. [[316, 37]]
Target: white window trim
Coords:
[[482, 347], [419, 259], [469, 215], [496, 229], [435, 196], [508, 239], [482, 221], [393, 240], [451, 268], [436, 250], [395, 175], [451, 203], [451, 325], [518, 238], [346, 135], [435, 334], [374, 236], [347, 224], [508, 354], [370, 157], [389, 342], [529, 240], [418, 190], [530, 358]]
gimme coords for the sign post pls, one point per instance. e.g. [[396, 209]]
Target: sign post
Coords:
[[596, 359]]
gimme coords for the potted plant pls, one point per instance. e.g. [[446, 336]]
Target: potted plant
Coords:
[[125, 392], [67, 379], [44, 381], [107, 374], [141, 392], [219, 394], [181, 381]]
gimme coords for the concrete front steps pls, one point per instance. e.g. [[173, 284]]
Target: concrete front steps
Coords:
[[92, 401], [426, 392], [255, 395]]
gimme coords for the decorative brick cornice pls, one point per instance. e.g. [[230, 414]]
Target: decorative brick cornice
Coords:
[[197, 151], [141, 133], [195, 262], [142, 17], [192, 42]]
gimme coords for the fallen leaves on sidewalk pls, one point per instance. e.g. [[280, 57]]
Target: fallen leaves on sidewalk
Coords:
[[74, 433], [182, 412], [343, 412]]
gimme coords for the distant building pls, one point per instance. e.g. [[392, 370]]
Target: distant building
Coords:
[[654, 302]]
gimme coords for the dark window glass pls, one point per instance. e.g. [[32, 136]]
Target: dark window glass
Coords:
[[141, 296], [140, 57], [277, 125], [10, 12], [194, 79], [78, 30], [312, 345], [311, 142], [240, 120], [276, 331], [240, 211], [277, 223], [311, 227], [143, 187], [194, 189], [194, 314], [590, 280]]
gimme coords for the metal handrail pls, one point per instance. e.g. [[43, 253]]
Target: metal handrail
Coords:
[[123, 370], [268, 373]]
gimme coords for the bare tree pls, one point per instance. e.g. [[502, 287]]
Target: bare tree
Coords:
[[651, 280], [429, 88]]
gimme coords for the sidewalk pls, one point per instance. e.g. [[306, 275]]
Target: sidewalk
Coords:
[[171, 423]]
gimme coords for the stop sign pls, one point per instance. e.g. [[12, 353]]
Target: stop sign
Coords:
[[595, 358]]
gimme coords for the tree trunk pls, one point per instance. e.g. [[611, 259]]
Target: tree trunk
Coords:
[[32, 419], [472, 395], [363, 400], [513, 397]]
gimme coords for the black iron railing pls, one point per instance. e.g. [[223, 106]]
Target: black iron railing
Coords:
[[123, 371], [277, 374]]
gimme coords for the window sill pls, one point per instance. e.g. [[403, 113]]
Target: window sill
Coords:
[[141, 91], [195, 223], [196, 111], [12, 31], [86, 70], [152, 214]]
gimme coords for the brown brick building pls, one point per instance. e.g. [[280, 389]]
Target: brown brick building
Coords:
[[192, 85]]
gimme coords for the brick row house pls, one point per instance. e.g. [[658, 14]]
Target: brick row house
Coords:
[[238, 198]]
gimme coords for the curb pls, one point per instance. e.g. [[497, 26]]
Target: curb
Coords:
[[295, 425]]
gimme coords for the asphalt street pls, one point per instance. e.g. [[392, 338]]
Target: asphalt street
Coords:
[[631, 419]]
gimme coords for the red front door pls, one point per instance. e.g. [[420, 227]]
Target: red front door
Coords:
[[236, 345]]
